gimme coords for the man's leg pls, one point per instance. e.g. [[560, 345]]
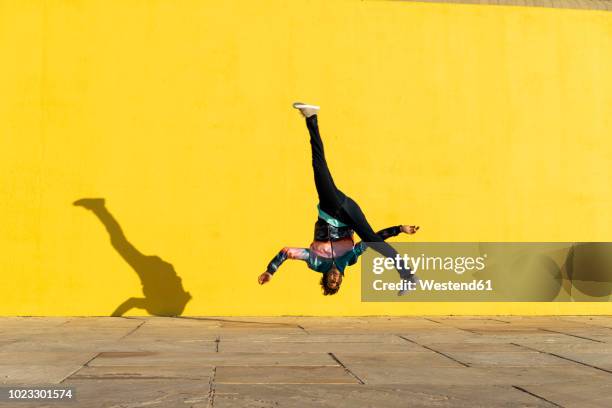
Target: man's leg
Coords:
[[330, 198], [362, 227]]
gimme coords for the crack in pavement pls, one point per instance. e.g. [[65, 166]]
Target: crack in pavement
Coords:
[[535, 395], [332, 355], [564, 358], [435, 351], [211, 388], [133, 330]]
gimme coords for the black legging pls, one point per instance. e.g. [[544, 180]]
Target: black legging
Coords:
[[337, 204]]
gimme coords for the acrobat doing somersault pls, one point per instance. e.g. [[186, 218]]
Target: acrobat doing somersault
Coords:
[[339, 217]]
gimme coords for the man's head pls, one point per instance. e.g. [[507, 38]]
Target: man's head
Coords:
[[331, 281]]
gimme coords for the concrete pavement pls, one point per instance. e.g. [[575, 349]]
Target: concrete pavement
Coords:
[[495, 361]]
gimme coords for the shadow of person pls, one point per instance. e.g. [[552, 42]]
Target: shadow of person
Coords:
[[162, 287]]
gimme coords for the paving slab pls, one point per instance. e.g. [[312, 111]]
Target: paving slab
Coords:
[[150, 358], [314, 338], [568, 347], [544, 321], [507, 359], [5, 343], [102, 322], [398, 361], [600, 335], [499, 337], [599, 360], [127, 393], [255, 336], [10, 321], [242, 332], [476, 347], [468, 322], [181, 321], [162, 344], [231, 325], [95, 344], [506, 330], [364, 328], [212, 359], [356, 396], [21, 333], [36, 373], [580, 394], [395, 374], [145, 331], [55, 334], [318, 347], [65, 332], [440, 335], [362, 325], [59, 345], [199, 372], [604, 321], [283, 375], [45, 357]]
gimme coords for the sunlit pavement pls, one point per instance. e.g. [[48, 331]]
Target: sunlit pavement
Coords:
[[304, 362]]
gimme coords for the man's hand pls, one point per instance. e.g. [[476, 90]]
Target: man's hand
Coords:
[[409, 229], [264, 278]]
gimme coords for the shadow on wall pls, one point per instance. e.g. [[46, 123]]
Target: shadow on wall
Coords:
[[162, 287], [547, 272], [589, 267]]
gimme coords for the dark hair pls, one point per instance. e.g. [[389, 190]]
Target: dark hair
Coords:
[[326, 289]]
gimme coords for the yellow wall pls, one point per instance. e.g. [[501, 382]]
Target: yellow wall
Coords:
[[479, 123]]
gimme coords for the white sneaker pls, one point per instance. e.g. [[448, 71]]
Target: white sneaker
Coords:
[[306, 110]]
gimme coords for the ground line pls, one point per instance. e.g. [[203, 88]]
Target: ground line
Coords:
[[80, 368], [132, 331], [536, 395], [211, 388], [564, 358], [346, 368], [435, 351], [572, 335]]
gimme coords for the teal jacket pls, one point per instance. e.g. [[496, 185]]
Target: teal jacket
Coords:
[[323, 264]]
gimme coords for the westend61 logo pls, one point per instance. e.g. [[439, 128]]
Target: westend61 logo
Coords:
[[489, 271]]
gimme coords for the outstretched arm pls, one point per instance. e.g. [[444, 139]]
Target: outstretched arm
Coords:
[[284, 254]]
